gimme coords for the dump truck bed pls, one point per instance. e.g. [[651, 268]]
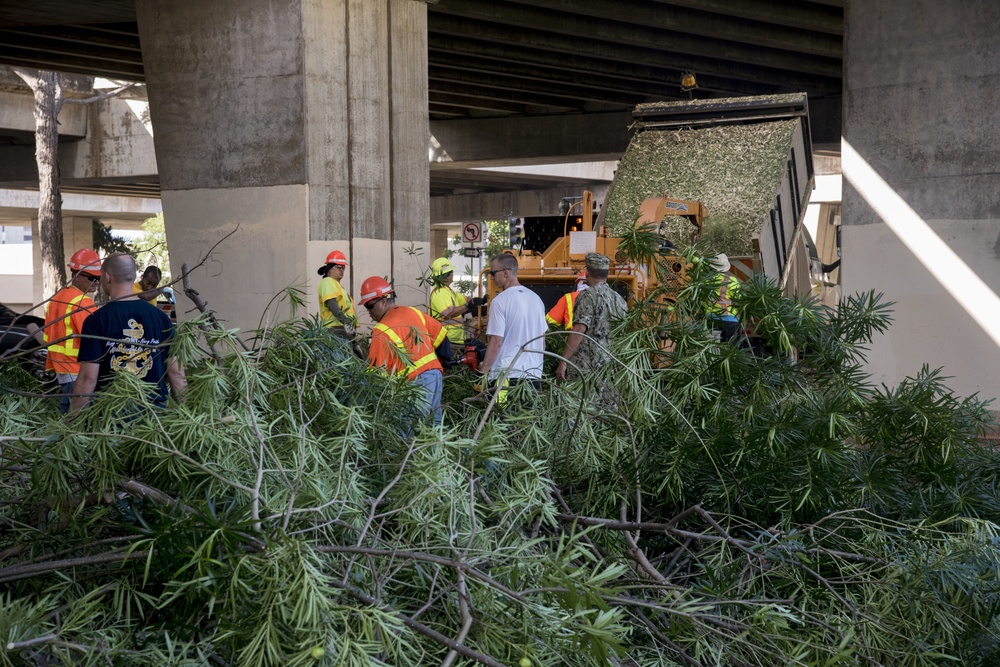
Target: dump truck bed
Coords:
[[749, 160]]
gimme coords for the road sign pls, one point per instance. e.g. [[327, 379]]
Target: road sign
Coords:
[[473, 234]]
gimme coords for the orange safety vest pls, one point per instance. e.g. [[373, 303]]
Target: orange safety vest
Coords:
[[403, 342], [64, 317], [561, 314]]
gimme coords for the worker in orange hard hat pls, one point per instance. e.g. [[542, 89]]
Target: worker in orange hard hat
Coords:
[[407, 342], [561, 314], [64, 316], [335, 306]]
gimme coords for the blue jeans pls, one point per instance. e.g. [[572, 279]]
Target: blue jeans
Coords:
[[432, 382], [66, 388]]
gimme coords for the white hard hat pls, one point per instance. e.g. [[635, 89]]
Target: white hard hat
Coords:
[[720, 263]]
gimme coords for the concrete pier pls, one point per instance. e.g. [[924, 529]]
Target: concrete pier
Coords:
[[921, 213], [298, 127]]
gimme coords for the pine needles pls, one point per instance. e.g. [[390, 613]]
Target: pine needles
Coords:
[[738, 508]]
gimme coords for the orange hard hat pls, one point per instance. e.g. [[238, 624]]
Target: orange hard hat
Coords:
[[86, 261], [374, 288], [337, 257]]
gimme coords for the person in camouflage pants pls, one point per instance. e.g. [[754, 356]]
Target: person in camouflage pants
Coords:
[[596, 311]]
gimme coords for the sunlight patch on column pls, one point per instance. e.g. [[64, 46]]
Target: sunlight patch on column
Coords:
[[960, 281]]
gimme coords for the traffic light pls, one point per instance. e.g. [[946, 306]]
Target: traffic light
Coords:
[[516, 228]]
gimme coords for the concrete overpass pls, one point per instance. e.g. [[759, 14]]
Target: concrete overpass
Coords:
[[305, 122]]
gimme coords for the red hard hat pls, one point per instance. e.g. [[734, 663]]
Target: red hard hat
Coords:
[[373, 288], [85, 260], [337, 257]]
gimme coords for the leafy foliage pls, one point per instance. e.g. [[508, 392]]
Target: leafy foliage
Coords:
[[151, 247], [737, 508], [105, 241]]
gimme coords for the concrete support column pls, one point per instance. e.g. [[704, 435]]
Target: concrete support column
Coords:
[[439, 242], [921, 222], [301, 127]]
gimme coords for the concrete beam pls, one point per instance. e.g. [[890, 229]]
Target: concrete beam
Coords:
[[534, 140], [662, 55], [461, 105], [23, 205], [484, 92], [17, 113], [464, 208], [592, 32], [668, 17], [788, 13], [568, 95], [112, 141], [580, 72]]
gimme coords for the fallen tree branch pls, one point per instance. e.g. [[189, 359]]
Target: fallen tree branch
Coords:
[[668, 528], [15, 572], [419, 627]]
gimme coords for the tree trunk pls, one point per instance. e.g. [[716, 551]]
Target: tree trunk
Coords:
[[48, 102]]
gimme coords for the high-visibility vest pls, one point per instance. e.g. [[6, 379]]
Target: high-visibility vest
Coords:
[[404, 340], [723, 306], [64, 317], [561, 314], [327, 289], [441, 300]]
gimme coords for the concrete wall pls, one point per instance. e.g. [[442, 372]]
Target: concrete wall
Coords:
[[544, 140], [302, 125], [118, 144], [921, 214], [110, 141]]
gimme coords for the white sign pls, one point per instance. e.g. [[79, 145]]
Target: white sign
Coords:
[[474, 234], [580, 243]]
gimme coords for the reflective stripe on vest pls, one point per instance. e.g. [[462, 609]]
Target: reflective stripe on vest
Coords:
[[412, 368], [71, 346], [566, 301], [724, 300]]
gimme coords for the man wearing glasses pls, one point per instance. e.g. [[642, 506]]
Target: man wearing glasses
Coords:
[[64, 317], [515, 345]]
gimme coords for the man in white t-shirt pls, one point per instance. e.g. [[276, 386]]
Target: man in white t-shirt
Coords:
[[517, 320]]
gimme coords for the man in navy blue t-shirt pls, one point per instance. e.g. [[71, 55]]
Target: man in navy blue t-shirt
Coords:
[[126, 335]]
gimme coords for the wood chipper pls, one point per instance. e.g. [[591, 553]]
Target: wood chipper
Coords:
[[553, 272]]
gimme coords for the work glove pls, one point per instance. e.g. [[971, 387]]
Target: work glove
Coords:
[[476, 303], [479, 382]]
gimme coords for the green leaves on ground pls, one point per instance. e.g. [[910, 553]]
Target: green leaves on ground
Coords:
[[741, 506]]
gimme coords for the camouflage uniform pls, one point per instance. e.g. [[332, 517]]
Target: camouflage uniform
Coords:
[[598, 308]]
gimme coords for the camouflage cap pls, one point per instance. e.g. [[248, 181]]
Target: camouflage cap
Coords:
[[596, 260]]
